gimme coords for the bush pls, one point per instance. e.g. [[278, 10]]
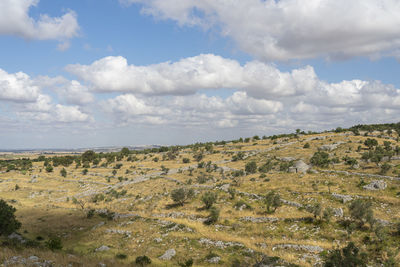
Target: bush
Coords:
[[213, 216], [54, 243], [179, 196], [187, 263], [315, 210], [320, 159], [8, 221], [143, 260], [63, 172], [186, 160], [272, 200], [347, 256], [251, 167], [121, 256], [209, 198], [306, 145], [361, 211], [49, 168]]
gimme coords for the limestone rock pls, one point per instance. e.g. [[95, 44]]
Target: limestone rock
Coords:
[[376, 185], [168, 254]]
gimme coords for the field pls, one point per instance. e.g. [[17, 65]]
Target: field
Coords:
[[113, 210]]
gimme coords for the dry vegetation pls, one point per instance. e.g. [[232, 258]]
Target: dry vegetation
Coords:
[[124, 202]]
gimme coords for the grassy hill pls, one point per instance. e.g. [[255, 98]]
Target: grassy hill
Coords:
[[110, 208]]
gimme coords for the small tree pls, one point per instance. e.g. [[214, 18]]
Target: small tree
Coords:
[[49, 168], [251, 167], [385, 168], [63, 172], [8, 221], [315, 210], [213, 216], [328, 213], [347, 256], [54, 243], [320, 159], [179, 196], [209, 198], [272, 200], [370, 143], [361, 211]]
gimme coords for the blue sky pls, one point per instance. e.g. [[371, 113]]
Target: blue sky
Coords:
[[83, 73]]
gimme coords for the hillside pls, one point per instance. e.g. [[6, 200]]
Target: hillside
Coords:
[[279, 201]]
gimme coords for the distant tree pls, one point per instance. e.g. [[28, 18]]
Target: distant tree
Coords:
[[88, 156], [315, 210], [385, 168], [8, 221], [181, 195], [213, 216], [54, 243], [272, 201], [209, 198], [49, 168], [124, 152], [370, 143], [327, 214], [361, 211], [320, 159], [348, 256], [63, 172], [251, 167]]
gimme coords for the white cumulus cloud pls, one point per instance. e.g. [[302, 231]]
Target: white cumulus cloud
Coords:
[[15, 20], [292, 29], [18, 87]]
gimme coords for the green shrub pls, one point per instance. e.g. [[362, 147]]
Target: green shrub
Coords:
[[54, 243], [209, 198], [143, 260], [320, 159], [8, 221], [213, 216], [251, 167]]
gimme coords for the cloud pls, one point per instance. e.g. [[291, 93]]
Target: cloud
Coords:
[[292, 29], [17, 87], [26, 99], [15, 20], [69, 91], [189, 75]]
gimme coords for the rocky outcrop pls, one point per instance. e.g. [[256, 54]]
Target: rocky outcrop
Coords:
[[168, 254], [376, 185], [343, 198], [308, 248], [219, 244]]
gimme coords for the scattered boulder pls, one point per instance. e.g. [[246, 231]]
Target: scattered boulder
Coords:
[[309, 248], [328, 147], [168, 254], [376, 185], [102, 248], [17, 237], [343, 198], [288, 159], [214, 260], [338, 212]]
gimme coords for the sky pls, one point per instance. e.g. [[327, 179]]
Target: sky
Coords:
[[89, 73]]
